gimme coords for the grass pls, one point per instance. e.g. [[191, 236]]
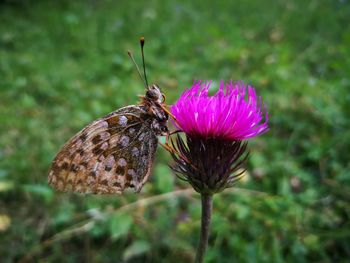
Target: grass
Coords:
[[64, 63]]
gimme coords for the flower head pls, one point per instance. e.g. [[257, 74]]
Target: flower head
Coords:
[[212, 155], [233, 113]]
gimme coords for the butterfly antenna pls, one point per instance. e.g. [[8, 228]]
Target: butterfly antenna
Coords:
[[138, 69], [142, 43]]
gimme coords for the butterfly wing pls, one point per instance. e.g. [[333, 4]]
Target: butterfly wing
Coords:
[[109, 155]]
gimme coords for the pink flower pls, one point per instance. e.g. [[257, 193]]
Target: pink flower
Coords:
[[234, 113]]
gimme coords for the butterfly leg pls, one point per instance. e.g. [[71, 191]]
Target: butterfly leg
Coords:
[[172, 149], [170, 114], [169, 134]]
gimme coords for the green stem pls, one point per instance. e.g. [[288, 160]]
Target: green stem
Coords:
[[207, 206]]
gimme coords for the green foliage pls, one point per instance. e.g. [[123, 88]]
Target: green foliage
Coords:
[[64, 63], [119, 225], [135, 249]]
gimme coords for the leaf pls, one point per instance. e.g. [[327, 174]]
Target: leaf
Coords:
[[164, 181], [5, 222], [64, 213], [6, 186], [39, 190], [3, 173], [137, 248], [119, 225]]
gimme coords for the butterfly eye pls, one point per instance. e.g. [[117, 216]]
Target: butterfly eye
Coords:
[[151, 94], [154, 93]]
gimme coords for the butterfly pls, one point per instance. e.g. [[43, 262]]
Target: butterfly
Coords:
[[115, 152]]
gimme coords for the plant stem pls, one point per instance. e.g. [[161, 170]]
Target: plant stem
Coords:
[[207, 206]]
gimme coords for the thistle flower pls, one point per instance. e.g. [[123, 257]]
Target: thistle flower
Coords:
[[215, 127], [213, 151]]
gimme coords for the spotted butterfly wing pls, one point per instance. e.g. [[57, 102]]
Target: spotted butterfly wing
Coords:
[[109, 155]]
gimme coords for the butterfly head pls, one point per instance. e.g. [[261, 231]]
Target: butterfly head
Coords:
[[154, 94]]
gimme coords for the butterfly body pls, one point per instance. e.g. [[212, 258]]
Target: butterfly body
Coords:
[[112, 153]]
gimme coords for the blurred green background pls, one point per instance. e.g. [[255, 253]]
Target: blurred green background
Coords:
[[64, 64]]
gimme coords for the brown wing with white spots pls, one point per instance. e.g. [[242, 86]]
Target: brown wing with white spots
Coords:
[[107, 156]]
